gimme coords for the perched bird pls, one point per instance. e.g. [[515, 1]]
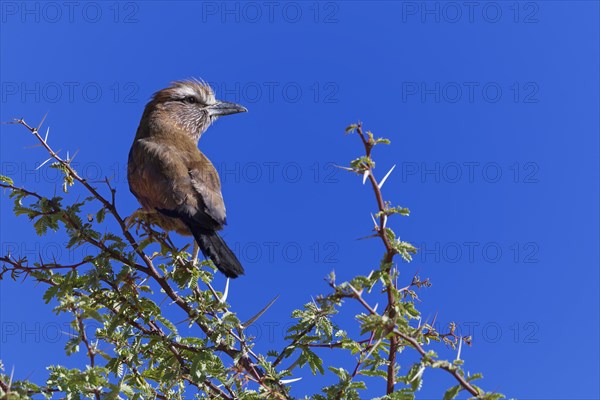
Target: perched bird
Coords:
[[177, 186]]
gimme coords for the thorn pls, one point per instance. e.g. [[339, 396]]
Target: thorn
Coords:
[[384, 220], [374, 222], [74, 155], [418, 374], [434, 319], [356, 292], [368, 237], [459, 348], [375, 308], [286, 381], [46, 137], [346, 168], [12, 373], [44, 163], [261, 312], [315, 303], [385, 177], [373, 349], [365, 176], [225, 293], [41, 122]]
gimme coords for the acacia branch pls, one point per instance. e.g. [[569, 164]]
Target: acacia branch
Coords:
[[206, 319], [155, 330], [90, 350], [388, 258], [149, 268], [109, 205], [415, 344], [19, 265]]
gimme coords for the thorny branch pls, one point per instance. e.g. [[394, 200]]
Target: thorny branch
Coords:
[[388, 258], [90, 349], [148, 268], [243, 357], [390, 252]]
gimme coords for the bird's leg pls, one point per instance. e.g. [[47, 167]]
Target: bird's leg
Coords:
[[195, 254]]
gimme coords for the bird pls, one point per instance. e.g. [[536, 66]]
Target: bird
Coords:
[[175, 183]]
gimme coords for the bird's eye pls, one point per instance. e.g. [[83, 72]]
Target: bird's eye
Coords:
[[190, 100]]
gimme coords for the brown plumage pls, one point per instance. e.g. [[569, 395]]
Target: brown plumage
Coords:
[[174, 182]]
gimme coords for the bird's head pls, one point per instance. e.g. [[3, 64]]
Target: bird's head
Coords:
[[191, 106]]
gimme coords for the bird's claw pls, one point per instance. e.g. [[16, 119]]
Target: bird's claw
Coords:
[[135, 219]]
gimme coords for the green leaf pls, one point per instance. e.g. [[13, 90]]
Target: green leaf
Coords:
[[340, 372], [402, 394], [452, 392], [361, 164], [6, 179], [376, 372], [314, 361], [492, 396], [100, 215], [351, 128], [68, 178], [474, 377], [50, 293]]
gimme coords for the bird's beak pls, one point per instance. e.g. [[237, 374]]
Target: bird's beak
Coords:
[[221, 108]]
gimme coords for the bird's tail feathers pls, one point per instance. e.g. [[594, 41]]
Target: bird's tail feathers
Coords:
[[215, 248]]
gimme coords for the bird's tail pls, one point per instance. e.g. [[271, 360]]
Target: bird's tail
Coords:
[[213, 247]]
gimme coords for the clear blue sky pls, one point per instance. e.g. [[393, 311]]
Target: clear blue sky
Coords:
[[492, 109]]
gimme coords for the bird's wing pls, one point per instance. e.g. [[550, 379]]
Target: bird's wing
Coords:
[[205, 181], [200, 190]]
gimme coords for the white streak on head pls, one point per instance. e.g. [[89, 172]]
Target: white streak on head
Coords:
[[184, 91], [195, 88]]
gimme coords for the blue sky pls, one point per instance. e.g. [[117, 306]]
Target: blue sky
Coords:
[[492, 109]]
